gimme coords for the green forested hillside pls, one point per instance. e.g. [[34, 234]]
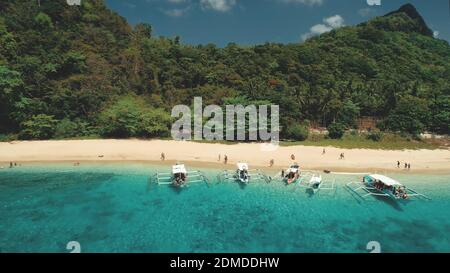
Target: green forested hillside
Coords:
[[80, 71]]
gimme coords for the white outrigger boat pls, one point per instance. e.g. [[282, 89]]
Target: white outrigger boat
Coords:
[[314, 182], [180, 177], [243, 175], [291, 175], [380, 185]]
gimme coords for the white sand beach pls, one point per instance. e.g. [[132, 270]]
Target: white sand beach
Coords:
[[203, 154]]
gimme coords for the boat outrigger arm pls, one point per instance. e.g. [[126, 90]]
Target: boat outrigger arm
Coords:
[[191, 177], [379, 185], [314, 182], [243, 175]]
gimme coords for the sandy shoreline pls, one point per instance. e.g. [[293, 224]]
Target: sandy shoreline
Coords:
[[206, 155]]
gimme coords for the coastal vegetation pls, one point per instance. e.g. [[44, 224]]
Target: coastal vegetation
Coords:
[[77, 72], [383, 141], [355, 140]]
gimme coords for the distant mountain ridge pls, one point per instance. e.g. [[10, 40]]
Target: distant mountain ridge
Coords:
[[412, 12]]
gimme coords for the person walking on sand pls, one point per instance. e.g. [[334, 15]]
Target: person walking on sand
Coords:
[[324, 152], [163, 156], [292, 156], [406, 165], [409, 166], [398, 164], [225, 159], [272, 162], [341, 156], [219, 158]]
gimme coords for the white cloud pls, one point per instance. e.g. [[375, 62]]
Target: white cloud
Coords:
[[180, 10], [306, 2], [218, 5], [227, 5], [436, 34], [320, 28], [334, 21], [177, 1], [176, 12], [329, 24]]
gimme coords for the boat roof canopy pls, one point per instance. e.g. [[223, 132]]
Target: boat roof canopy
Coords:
[[242, 166], [385, 180], [293, 168], [316, 179], [180, 168]]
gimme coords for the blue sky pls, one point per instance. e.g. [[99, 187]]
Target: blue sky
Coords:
[[250, 22]]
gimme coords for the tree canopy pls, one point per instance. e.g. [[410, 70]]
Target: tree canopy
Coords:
[[84, 69]]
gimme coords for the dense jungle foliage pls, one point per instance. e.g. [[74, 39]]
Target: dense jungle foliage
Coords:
[[78, 71]]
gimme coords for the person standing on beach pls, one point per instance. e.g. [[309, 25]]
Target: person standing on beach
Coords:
[[398, 164], [163, 156], [225, 159], [272, 162], [292, 156], [324, 152], [219, 158], [10, 164], [406, 165], [409, 166]]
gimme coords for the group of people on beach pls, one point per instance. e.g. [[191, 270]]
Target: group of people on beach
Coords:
[[407, 166], [225, 159]]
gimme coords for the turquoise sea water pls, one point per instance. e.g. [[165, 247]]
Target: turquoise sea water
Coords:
[[112, 208]]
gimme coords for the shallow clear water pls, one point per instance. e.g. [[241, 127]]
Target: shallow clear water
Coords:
[[112, 208]]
